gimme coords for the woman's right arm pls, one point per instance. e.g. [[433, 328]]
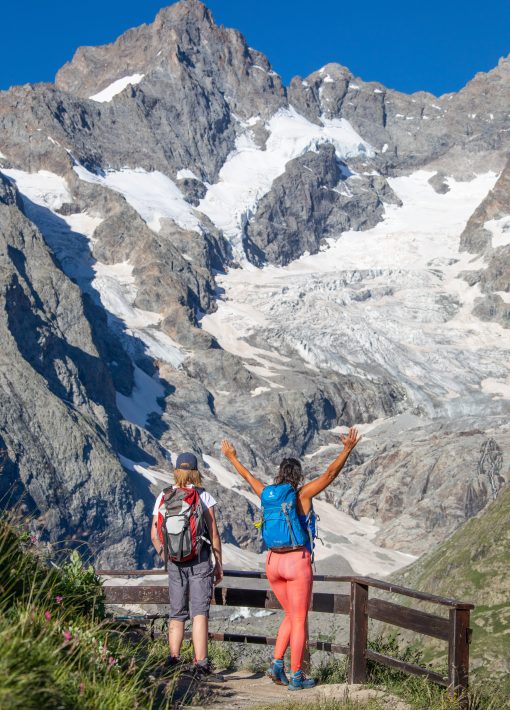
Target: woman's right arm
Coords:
[[317, 485], [229, 452]]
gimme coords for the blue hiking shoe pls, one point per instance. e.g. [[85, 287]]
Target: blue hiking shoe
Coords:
[[277, 673], [299, 682]]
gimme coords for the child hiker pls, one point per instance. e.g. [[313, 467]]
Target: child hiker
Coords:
[[184, 532]]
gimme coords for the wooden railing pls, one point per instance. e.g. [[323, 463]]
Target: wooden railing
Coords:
[[357, 605]]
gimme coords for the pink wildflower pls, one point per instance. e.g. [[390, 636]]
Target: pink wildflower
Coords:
[[68, 635], [47, 615], [33, 539], [82, 688], [58, 599], [112, 661]]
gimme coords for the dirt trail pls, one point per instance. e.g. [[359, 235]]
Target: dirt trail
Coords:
[[244, 689]]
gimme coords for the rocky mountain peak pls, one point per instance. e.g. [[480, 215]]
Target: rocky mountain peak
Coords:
[[187, 12], [183, 44]]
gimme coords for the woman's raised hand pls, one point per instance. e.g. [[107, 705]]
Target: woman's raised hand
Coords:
[[228, 449], [351, 439]]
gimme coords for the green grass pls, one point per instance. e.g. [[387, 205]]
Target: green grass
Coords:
[[57, 650], [418, 692], [474, 565]]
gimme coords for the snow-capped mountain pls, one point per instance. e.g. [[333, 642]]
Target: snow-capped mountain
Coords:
[[191, 251]]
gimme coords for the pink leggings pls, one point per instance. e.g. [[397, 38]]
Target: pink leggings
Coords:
[[290, 577]]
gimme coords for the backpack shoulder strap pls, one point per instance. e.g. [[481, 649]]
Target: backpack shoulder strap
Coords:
[[167, 495], [205, 533]]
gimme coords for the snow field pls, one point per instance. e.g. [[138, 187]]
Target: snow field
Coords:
[[390, 300], [43, 188], [249, 171], [232, 329], [244, 179], [236, 558], [186, 173], [499, 388], [500, 230], [154, 476], [143, 400], [153, 195], [353, 540], [107, 94]]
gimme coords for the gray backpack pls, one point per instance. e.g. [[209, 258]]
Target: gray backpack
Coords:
[[181, 524]]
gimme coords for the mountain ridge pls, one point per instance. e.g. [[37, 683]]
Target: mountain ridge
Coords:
[[271, 264]]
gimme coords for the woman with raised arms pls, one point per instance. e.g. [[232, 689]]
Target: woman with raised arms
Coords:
[[288, 529]]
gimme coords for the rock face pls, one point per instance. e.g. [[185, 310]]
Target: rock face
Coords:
[[422, 503], [185, 44], [313, 200], [493, 308], [59, 421], [488, 233], [476, 238], [196, 78], [191, 251]]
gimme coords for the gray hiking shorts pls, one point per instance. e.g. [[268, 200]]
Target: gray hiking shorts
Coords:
[[190, 586]]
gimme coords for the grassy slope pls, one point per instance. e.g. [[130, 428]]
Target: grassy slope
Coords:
[[57, 651], [474, 565]]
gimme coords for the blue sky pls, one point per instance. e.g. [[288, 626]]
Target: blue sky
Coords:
[[435, 46]]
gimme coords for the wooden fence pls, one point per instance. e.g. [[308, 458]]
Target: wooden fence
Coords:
[[357, 605]]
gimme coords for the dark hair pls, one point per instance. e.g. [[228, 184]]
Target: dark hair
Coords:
[[290, 472]]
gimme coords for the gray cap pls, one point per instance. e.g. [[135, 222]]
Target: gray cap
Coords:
[[187, 461]]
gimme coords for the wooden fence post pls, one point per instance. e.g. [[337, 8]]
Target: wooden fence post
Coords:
[[358, 633], [458, 655]]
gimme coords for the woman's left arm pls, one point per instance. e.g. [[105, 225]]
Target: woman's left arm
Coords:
[[313, 488]]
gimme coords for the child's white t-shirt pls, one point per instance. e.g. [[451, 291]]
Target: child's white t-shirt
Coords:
[[207, 500]]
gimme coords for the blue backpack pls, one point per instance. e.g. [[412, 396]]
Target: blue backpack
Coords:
[[281, 527]]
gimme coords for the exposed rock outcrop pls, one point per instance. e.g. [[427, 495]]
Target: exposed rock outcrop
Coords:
[[476, 238], [317, 197]]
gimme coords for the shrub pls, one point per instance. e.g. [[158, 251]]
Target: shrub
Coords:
[[81, 587]]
